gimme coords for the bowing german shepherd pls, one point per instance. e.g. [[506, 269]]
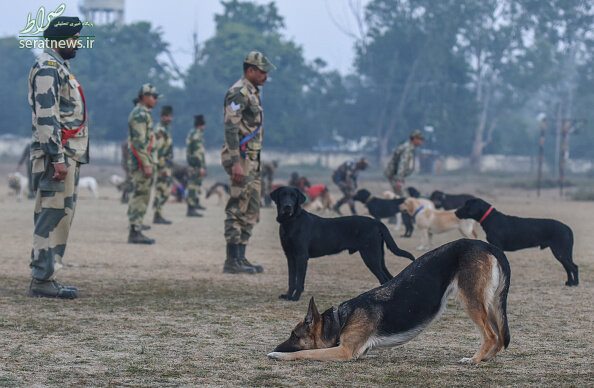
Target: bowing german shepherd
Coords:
[[402, 308]]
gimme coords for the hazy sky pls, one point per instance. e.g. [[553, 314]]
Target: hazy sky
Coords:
[[308, 22]]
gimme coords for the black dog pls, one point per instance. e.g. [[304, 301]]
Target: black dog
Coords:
[[513, 233], [383, 208], [304, 235], [449, 201]]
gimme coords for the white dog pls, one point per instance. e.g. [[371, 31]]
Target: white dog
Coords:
[[432, 221], [116, 180], [90, 183], [18, 183]]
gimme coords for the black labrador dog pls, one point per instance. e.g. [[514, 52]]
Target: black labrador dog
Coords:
[[511, 233], [304, 235], [384, 208], [449, 201]]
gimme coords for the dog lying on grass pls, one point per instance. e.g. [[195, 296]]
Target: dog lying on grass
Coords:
[[514, 233], [304, 235], [402, 308]]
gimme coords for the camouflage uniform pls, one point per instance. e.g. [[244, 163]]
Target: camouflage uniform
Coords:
[[345, 177], [163, 155], [401, 165], [195, 158], [60, 135], [140, 144]]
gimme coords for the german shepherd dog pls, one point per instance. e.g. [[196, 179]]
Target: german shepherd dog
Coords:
[[511, 233], [399, 310], [304, 235]]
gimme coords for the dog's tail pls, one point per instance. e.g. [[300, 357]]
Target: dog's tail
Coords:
[[391, 244], [501, 295]]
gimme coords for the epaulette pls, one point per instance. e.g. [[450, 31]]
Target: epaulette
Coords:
[[244, 91]]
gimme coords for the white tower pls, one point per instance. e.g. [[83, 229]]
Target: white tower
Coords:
[[103, 11]]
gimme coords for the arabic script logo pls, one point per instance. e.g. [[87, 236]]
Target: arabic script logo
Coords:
[[41, 22]]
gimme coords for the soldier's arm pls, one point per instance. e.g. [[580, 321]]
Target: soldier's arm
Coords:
[[235, 103], [46, 118], [192, 150], [169, 151], [139, 126], [403, 164]]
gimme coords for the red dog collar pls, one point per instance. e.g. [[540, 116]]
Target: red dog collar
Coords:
[[486, 214]]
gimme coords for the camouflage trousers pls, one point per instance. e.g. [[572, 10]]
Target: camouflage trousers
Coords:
[[163, 183], [141, 195], [194, 187], [243, 207], [393, 182], [55, 202]]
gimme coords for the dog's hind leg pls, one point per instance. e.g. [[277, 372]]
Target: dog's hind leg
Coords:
[[373, 257], [563, 255], [478, 282]]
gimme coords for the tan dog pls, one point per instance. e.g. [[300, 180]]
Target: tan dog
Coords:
[[432, 221]]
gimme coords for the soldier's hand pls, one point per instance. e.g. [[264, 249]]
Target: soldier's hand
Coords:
[[148, 171], [202, 172], [237, 173], [398, 186], [60, 171]]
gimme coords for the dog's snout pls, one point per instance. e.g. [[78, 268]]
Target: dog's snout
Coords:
[[286, 209]]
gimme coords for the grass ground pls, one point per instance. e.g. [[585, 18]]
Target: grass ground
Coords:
[[165, 315]]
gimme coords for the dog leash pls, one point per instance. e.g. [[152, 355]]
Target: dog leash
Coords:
[[486, 214], [418, 211]]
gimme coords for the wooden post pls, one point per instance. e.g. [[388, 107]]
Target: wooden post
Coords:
[[563, 155]]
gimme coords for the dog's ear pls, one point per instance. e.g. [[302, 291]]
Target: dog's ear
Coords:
[[300, 197], [274, 195], [410, 203], [313, 314]]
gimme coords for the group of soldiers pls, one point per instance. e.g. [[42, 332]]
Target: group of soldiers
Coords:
[[149, 157], [60, 144]]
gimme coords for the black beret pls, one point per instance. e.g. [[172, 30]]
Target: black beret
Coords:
[[63, 27], [199, 120], [166, 110]]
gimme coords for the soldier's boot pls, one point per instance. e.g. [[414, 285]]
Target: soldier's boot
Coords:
[[244, 261], [51, 289], [233, 263], [136, 237], [145, 227], [192, 212], [200, 207], [336, 207], [158, 219]]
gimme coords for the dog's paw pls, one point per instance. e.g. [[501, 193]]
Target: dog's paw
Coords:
[[275, 355], [467, 361]]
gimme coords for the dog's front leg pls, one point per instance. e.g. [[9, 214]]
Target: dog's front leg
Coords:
[[292, 277], [337, 353], [300, 271]]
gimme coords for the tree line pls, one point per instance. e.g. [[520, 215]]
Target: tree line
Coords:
[[479, 72]]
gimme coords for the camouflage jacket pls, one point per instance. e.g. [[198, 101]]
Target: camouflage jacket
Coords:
[[347, 173], [402, 162], [163, 147], [140, 138], [243, 114], [57, 103], [195, 149]]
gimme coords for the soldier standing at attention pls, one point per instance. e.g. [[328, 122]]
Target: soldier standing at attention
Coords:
[[402, 162], [141, 141], [345, 177], [60, 144], [163, 156], [243, 117], [195, 158]]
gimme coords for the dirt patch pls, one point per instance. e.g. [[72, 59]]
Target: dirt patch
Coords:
[[166, 315]]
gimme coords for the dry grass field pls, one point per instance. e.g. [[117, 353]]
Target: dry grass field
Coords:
[[166, 315]]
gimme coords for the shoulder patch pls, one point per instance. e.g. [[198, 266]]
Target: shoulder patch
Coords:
[[51, 63], [244, 91]]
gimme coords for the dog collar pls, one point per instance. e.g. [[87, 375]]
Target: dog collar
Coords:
[[418, 211], [486, 214]]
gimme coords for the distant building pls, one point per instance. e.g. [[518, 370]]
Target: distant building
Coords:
[[103, 11]]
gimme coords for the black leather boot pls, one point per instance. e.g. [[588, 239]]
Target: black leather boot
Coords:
[[158, 219], [192, 212], [244, 261], [136, 237], [233, 263]]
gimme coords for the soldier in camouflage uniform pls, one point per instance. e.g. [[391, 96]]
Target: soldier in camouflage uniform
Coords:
[[345, 177], [141, 164], [402, 162], [195, 158], [243, 117], [60, 144], [163, 156]]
